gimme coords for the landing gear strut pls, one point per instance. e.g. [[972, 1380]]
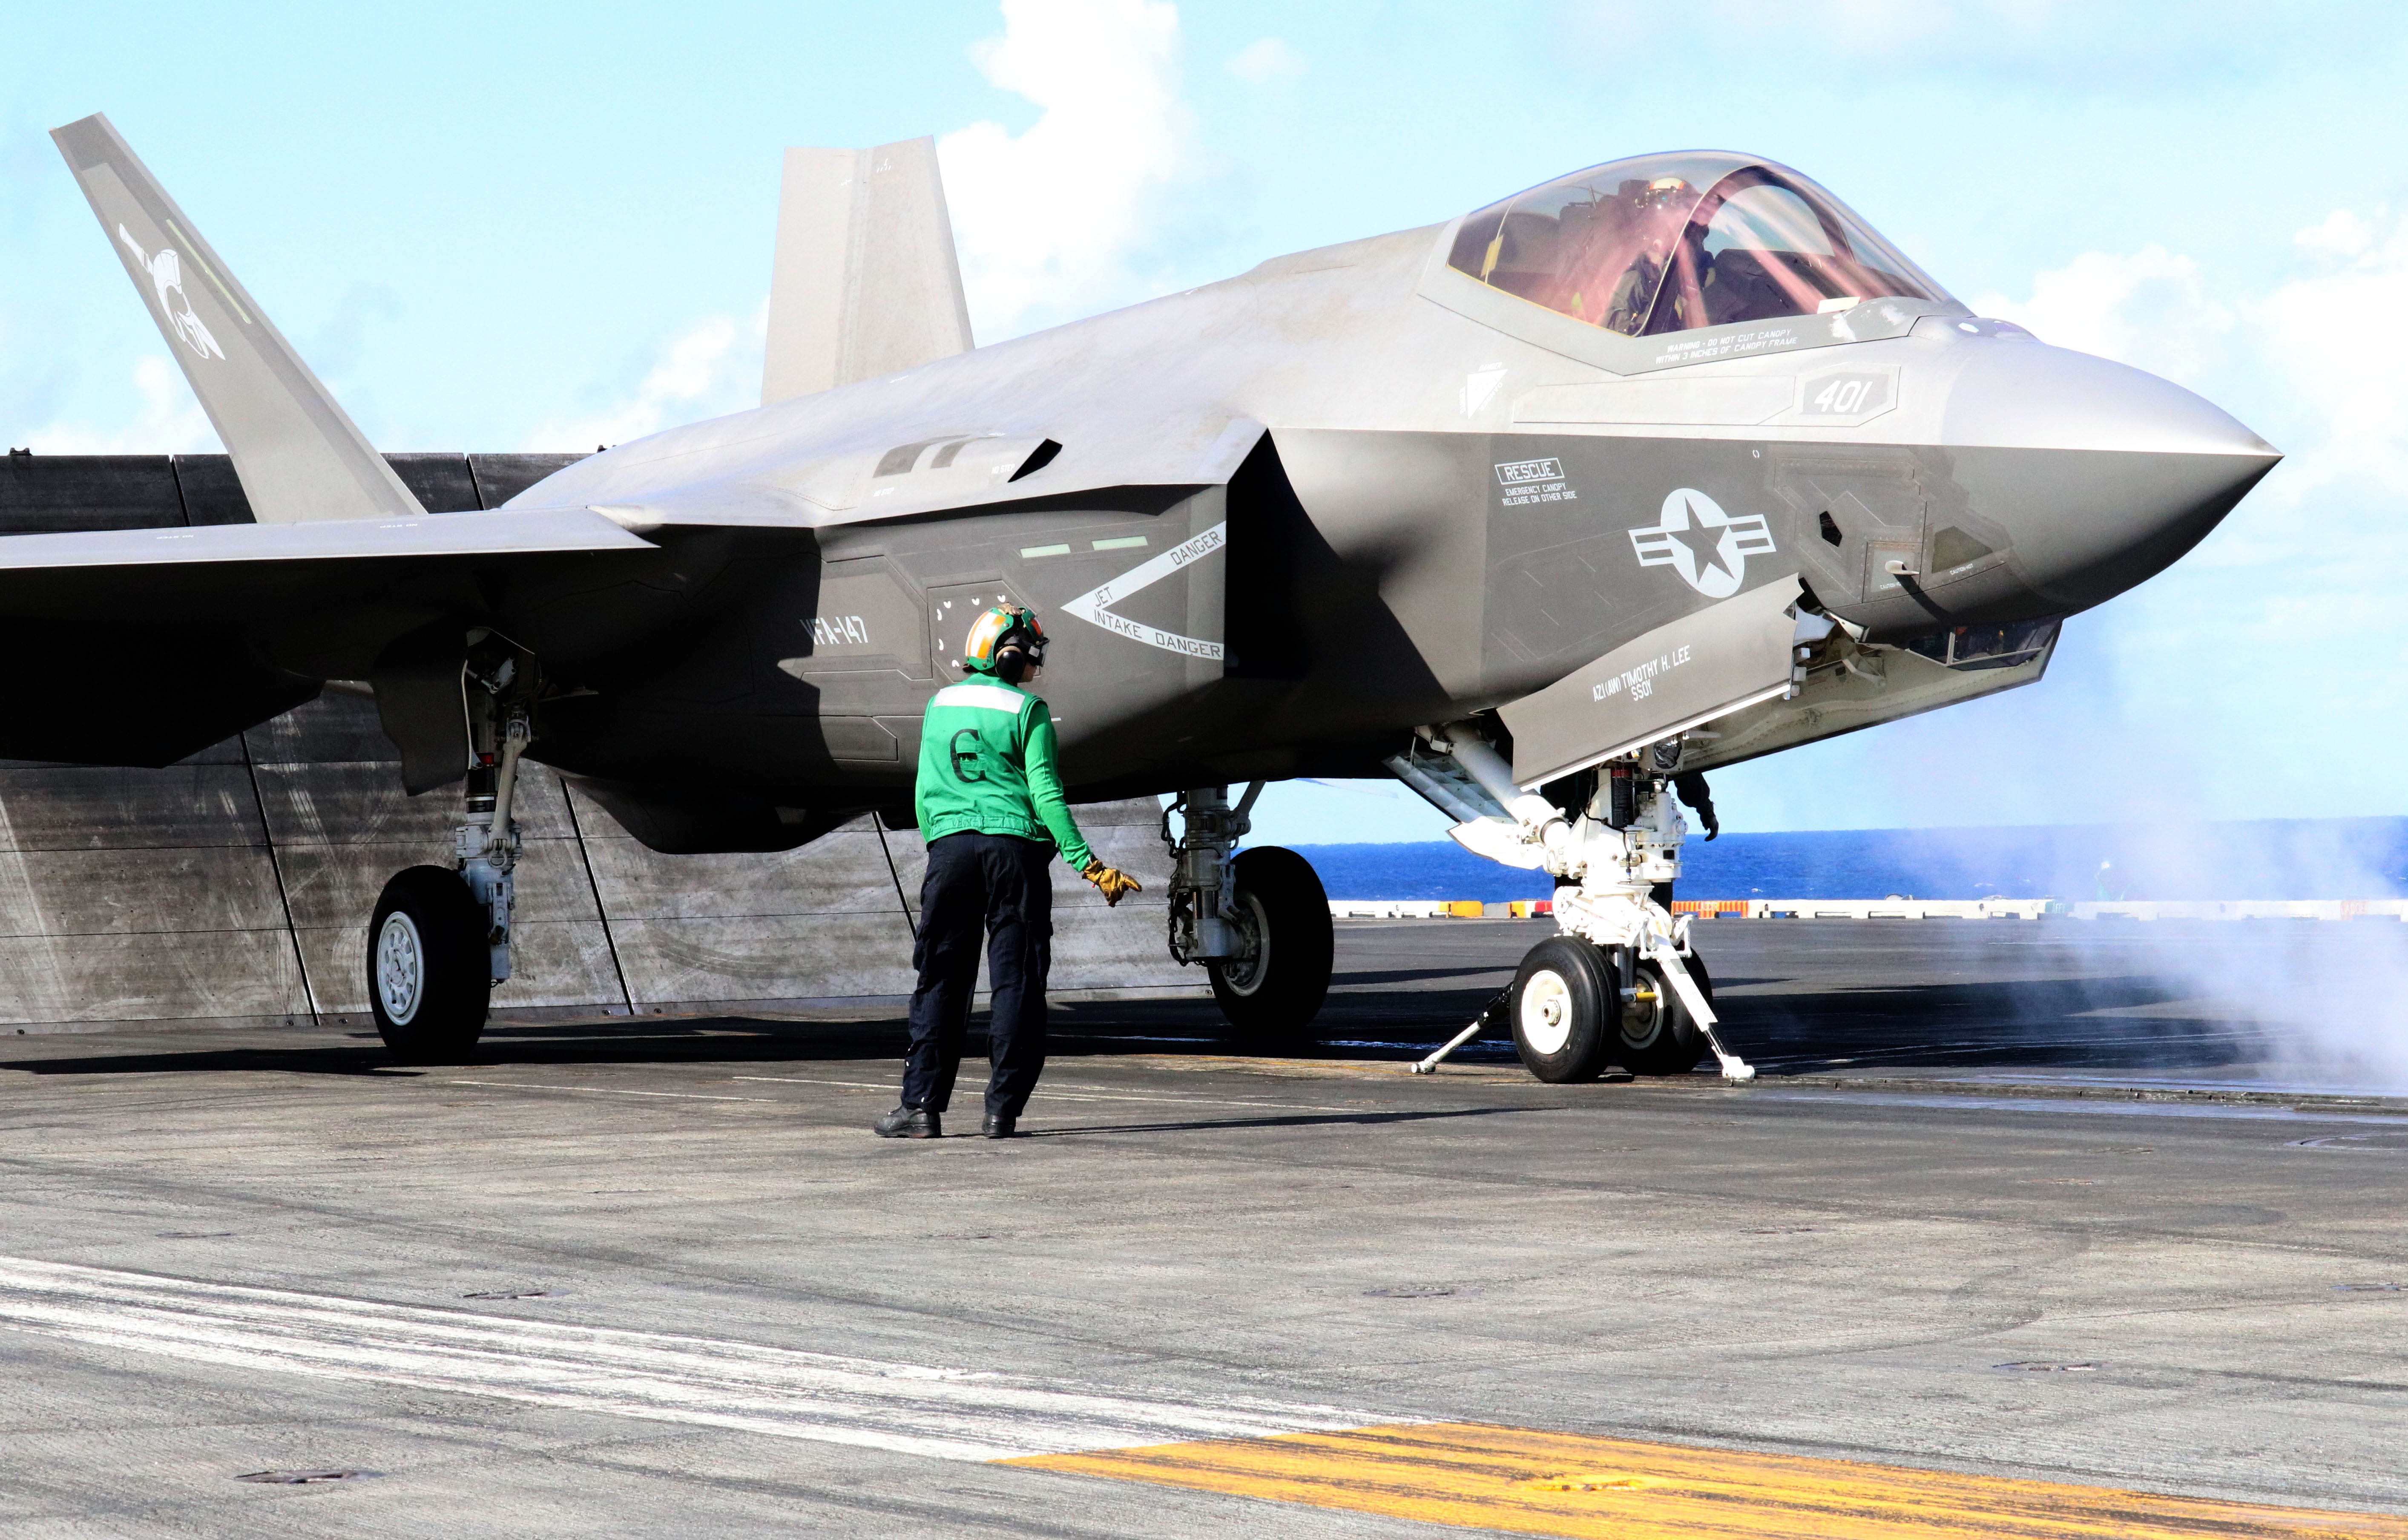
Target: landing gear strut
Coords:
[[1258, 920], [1622, 984], [439, 939]]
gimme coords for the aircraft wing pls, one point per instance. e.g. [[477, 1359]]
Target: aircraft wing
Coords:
[[141, 646], [206, 556]]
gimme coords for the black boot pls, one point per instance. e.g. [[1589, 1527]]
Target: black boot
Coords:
[[910, 1123], [1001, 1128]]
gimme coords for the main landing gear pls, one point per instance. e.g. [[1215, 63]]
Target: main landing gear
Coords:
[[1258, 920], [439, 939], [1622, 985]]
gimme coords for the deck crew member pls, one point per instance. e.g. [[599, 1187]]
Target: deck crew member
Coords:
[[990, 808]]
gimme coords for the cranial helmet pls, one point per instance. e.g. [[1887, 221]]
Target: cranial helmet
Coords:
[[1005, 626]]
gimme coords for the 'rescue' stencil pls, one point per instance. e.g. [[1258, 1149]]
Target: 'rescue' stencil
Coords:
[[1715, 568], [1524, 472]]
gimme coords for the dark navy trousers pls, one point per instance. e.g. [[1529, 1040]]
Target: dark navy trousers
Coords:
[[999, 889]]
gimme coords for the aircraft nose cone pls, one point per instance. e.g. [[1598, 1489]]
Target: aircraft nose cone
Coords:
[[2104, 474]]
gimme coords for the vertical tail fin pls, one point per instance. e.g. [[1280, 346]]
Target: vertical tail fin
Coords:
[[299, 456], [865, 281]]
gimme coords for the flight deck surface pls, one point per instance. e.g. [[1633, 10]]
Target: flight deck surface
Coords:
[[2032, 1215]]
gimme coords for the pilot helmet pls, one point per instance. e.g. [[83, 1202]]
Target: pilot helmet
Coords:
[[1004, 625]]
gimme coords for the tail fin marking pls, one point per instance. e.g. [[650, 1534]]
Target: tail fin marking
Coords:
[[300, 457]]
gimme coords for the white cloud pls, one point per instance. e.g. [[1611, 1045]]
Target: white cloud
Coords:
[[169, 422], [709, 369], [1266, 62], [2150, 309], [2334, 335], [1051, 220]]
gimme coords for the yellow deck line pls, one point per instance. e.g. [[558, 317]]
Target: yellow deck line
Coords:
[[1479, 1476]]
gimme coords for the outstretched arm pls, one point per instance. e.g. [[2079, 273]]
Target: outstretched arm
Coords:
[[1045, 790]]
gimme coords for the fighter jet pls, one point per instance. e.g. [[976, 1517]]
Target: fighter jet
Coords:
[[1547, 509]]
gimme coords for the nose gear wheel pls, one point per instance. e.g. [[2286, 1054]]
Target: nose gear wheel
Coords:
[[1559, 1008], [1655, 1034]]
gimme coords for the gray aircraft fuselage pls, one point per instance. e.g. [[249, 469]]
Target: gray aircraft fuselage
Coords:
[[1375, 492], [1273, 524]]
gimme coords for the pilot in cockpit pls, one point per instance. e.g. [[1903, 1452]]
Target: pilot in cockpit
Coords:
[[1672, 243], [1652, 212]]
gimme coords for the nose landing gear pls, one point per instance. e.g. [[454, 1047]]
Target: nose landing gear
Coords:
[[1622, 984]]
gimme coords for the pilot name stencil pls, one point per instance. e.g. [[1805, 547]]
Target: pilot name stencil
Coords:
[[1528, 482], [1640, 682], [1713, 558]]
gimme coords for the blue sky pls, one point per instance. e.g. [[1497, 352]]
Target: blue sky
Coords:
[[499, 226]]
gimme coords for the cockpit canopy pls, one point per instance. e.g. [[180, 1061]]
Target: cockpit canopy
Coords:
[[1671, 243]]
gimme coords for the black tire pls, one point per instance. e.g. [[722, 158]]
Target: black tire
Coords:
[[1272, 996], [1657, 1035], [430, 969], [1561, 1008]]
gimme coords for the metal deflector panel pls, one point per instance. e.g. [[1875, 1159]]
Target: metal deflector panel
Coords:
[[1708, 662]]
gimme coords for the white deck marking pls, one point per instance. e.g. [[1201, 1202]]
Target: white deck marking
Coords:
[[1047, 1094], [949, 1414], [613, 1091]]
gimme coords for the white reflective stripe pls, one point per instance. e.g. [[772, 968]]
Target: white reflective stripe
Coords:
[[756, 1387], [993, 698]]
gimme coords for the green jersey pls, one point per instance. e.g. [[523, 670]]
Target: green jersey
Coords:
[[988, 765]]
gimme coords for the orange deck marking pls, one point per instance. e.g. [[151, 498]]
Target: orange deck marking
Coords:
[[1479, 1476]]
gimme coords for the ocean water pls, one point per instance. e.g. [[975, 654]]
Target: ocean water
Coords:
[[2272, 858]]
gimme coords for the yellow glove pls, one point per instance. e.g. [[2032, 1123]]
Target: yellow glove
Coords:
[[1109, 881]]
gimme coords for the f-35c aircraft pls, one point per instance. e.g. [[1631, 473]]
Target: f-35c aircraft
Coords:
[[1546, 510]]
